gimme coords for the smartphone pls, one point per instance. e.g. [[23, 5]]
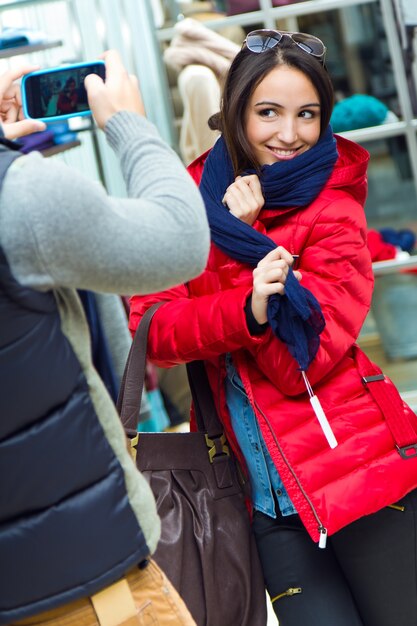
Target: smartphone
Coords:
[[58, 93]]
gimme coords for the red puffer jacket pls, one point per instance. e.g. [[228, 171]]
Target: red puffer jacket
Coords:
[[205, 319]]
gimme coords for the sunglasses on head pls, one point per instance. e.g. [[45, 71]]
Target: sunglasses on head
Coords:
[[261, 40]]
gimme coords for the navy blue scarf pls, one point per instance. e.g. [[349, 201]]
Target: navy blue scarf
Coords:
[[296, 317]]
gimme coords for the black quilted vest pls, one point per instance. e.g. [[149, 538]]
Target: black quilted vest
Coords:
[[66, 525]]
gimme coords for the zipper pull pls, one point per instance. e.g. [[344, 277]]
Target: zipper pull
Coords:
[[397, 507], [323, 537], [320, 414], [324, 423], [292, 591]]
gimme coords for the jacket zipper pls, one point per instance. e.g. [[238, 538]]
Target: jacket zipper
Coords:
[[292, 591], [321, 529]]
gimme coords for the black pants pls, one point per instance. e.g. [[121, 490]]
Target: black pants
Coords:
[[367, 575]]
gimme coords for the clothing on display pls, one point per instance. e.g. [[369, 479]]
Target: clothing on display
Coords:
[[201, 57]]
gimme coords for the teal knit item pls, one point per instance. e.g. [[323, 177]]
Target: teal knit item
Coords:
[[358, 111]]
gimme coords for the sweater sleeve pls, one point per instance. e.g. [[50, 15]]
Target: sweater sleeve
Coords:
[[58, 228]]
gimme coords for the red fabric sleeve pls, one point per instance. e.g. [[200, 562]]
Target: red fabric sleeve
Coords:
[[189, 328]]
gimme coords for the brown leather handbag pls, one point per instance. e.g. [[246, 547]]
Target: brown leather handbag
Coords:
[[206, 548]]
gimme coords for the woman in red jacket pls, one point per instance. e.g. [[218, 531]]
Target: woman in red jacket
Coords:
[[324, 437]]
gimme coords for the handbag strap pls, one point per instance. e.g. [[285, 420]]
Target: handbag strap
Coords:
[[206, 413], [402, 423], [131, 387]]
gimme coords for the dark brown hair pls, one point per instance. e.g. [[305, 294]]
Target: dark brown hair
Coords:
[[246, 72]]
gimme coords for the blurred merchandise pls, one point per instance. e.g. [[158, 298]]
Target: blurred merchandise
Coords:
[[244, 6], [61, 132], [15, 37], [358, 111]]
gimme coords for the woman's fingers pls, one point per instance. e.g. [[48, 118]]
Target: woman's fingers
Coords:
[[244, 198], [273, 270], [279, 253], [255, 186], [269, 278], [240, 192]]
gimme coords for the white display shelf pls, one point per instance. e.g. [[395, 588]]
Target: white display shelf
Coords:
[[7, 53]]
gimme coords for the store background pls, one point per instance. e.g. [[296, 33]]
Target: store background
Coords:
[[365, 56]]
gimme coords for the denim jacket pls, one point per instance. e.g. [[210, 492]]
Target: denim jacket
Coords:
[[264, 478]]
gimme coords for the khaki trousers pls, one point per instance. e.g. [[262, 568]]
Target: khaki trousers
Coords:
[[144, 597]]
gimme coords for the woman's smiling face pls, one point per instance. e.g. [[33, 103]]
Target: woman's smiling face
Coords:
[[283, 116]]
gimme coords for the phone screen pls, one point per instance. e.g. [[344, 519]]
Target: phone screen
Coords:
[[59, 92]]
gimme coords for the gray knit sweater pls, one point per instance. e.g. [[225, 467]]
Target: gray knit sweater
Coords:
[[61, 231], [59, 228]]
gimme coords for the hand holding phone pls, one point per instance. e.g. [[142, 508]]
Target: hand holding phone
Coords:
[[119, 92], [11, 115], [58, 93]]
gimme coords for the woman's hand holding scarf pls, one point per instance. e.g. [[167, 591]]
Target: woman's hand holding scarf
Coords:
[[269, 278], [244, 198]]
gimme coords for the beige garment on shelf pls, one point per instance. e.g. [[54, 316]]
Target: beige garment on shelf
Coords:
[[203, 58], [200, 94], [194, 43]]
